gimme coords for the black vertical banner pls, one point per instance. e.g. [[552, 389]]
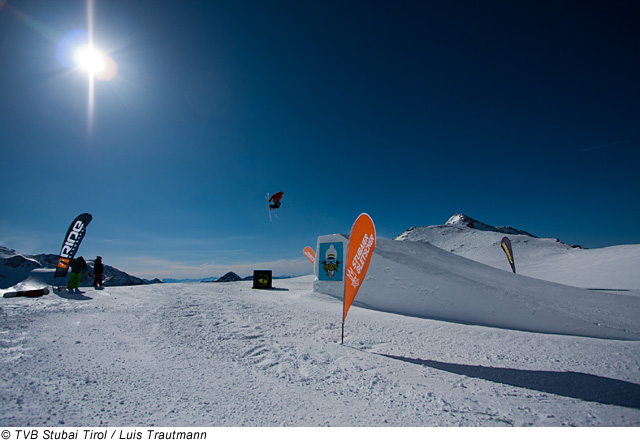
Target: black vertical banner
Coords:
[[71, 243], [506, 247]]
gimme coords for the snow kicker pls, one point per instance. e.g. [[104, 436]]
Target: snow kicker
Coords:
[[421, 280]]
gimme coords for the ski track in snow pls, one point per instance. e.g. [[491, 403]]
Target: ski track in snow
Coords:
[[226, 355]]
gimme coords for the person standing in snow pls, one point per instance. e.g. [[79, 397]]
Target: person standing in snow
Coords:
[[77, 268], [98, 268], [275, 198]]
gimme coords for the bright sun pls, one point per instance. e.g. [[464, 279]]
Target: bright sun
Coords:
[[90, 60]]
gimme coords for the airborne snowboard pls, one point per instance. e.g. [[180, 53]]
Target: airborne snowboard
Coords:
[[31, 293]]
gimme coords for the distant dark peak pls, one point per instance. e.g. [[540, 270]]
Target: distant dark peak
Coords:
[[229, 276]]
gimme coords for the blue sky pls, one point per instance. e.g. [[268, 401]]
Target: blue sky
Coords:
[[524, 114]]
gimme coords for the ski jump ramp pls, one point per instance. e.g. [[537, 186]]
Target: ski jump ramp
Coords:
[[421, 280]]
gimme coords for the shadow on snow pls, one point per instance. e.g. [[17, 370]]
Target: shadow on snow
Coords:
[[568, 384], [71, 295]]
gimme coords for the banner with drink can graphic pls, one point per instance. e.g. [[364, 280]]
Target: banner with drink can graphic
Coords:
[[330, 256]]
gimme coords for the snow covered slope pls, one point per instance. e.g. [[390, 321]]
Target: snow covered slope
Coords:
[[226, 355], [615, 267], [419, 279], [460, 344]]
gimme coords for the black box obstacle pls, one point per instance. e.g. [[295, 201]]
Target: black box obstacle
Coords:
[[262, 280]]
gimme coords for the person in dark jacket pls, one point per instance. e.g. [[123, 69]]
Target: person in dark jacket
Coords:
[[77, 269], [98, 268], [275, 198]]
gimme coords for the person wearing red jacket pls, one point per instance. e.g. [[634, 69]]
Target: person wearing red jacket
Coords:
[[275, 198]]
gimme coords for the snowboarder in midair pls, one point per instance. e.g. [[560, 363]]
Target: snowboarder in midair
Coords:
[[275, 198]]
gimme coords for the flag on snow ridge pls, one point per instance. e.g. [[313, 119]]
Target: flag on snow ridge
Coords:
[[506, 247]]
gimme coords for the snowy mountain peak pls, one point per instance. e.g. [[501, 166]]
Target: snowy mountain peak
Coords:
[[462, 220], [7, 253]]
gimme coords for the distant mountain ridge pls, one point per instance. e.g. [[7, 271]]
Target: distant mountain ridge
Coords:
[[225, 278], [460, 223], [537, 257], [465, 220], [190, 280], [16, 268]]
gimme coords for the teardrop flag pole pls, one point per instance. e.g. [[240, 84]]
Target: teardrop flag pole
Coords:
[[310, 254], [506, 247], [71, 243], [362, 241]]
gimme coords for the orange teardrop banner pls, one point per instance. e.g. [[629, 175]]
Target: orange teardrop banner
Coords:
[[362, 241], [310, 254]]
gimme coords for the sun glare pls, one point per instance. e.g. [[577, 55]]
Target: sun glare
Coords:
[[90, 60]]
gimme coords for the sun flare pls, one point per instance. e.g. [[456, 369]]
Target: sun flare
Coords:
[[90, 60]]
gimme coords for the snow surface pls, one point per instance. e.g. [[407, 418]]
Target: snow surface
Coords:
[[422, 280], [223, 354], [433, 339]]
